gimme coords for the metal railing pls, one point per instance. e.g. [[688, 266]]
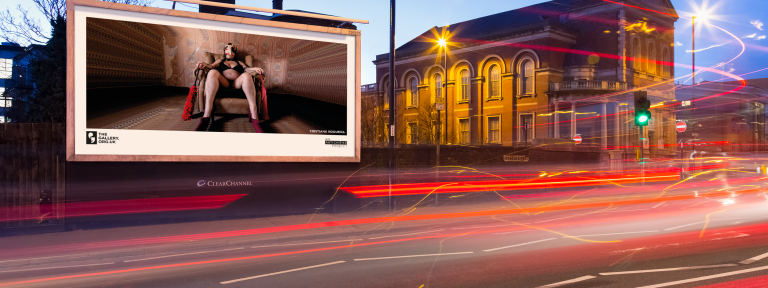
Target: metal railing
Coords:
[[587, 85]]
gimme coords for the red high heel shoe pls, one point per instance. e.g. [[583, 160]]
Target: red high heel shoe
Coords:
[[254, 123]]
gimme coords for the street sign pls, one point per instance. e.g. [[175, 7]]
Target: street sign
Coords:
[[440, 106], [439, 100], [646, 143], [577, 138], [515, 158], [681, 126]]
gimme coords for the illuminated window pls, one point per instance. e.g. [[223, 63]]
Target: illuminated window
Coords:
[[665, 67], [413, 133], [526, 78], [494, 85], [636, 54], [464, 85], [464, 131], [386, 94], [438, 86], [651, 59], [412, 92], [494, 129], [6, 68]]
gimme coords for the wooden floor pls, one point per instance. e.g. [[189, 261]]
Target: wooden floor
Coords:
[[165, 114]]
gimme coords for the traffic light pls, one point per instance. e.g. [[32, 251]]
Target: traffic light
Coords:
[[642, 104]]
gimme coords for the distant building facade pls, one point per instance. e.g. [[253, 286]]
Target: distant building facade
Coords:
[[561, 68], [15, 87]]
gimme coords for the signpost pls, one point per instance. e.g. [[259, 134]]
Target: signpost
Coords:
[[577, 139], [681, 126]]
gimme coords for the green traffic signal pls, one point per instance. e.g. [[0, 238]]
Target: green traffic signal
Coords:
[[642, 104], [642, 119]]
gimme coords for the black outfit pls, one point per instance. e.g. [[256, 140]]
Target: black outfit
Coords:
[[222, 67]]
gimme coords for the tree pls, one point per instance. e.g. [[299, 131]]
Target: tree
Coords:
[[47, 65]]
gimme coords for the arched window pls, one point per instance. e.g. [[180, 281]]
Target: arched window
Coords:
[[438, 86], [413, 92], [494, 87], [664, 66], [386, 94], [636, 62], [464, 74], [651, 59], [526, 78]]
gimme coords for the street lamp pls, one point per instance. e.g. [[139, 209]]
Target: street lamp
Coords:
[[444, 44]]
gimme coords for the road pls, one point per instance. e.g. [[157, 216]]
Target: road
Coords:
[[654, 243]]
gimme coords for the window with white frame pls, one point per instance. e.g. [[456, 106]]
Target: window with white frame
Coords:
[[494, 129], [5, 101], [6, 68], [494, 85], [413, 133], [526, 78], [412, 92], [438, 86], [651, 59], [464, 74], [464, 131]]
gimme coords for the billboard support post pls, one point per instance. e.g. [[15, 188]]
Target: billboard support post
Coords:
[[391, 95]]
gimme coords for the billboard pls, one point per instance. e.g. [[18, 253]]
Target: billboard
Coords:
[[167, 85]]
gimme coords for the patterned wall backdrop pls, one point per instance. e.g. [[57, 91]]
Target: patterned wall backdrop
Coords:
[[311, 69], [123, 53]]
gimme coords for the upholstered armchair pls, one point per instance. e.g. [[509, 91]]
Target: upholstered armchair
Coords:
[[228, 100]]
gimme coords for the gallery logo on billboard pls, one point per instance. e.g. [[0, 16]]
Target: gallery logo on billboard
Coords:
[[335, 143], [91, 137], [227, 183]]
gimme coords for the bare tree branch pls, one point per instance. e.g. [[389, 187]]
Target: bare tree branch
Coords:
[[26, 30]]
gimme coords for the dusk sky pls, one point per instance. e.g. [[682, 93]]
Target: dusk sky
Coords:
[[742, 18]]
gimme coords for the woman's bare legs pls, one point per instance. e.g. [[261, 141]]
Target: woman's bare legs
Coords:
[[245, 82], [212, 83]]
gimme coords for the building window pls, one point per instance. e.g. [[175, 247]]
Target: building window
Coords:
[[5, 102], [664, 66], [526, 78], [636, 55], [6, 68], [386, 94], [494, 129], [651, 59], [413, 133], [438, 86], [464, 131], [494, 85], [412, 92], [464, 85]]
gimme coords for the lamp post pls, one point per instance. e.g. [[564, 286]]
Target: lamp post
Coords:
[[391, 92], [693, 91], [442, 43]]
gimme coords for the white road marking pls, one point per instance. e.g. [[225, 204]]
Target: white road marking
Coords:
[[45, 268], [613, 234], [183, 254], [657, 205], [282, 272], [754, 259], [706, 277], [505, 247], [568, 281], [667, 269], [307, 243], [686, 225], [411, 256], [405, 234]]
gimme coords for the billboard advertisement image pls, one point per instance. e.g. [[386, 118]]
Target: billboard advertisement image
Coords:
[[154, 87]]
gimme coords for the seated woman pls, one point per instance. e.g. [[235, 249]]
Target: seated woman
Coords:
[[228, 72]]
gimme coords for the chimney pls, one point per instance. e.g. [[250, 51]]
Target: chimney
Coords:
[[216, 10], [277, 4]]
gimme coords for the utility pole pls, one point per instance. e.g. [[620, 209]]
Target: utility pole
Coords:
[[391, 98]]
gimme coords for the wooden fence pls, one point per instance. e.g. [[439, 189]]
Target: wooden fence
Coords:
[[32, 176]]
